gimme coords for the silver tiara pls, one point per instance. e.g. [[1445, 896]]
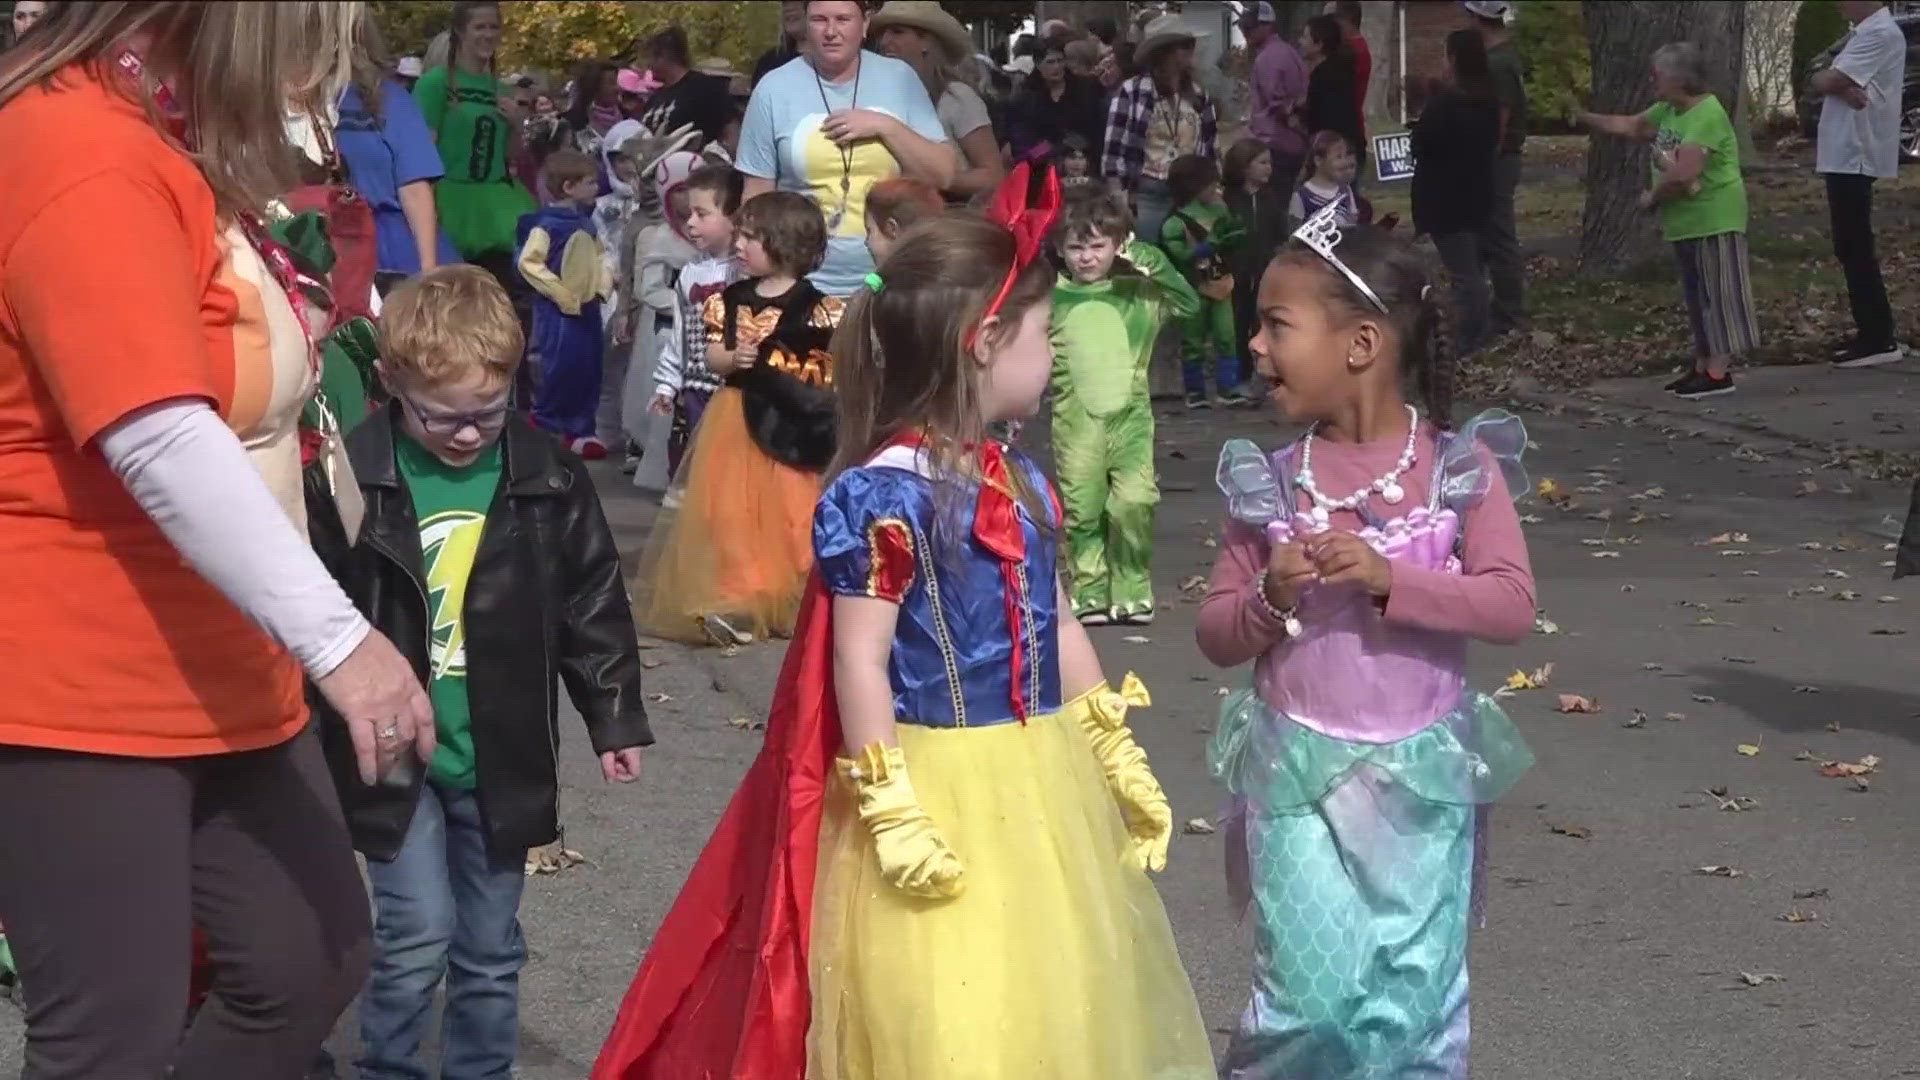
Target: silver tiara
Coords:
[[1321, 232]]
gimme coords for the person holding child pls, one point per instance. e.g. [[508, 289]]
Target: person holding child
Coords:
[[1356, 565], [486, 555], [1202, 235], [728, 567], [989, 914], [683, 384], [1109, 304], [562, 259]]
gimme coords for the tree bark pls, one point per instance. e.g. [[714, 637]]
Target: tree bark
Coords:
[[1621, 38]]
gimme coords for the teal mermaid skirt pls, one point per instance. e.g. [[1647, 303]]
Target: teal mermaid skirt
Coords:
[[1360, 862]]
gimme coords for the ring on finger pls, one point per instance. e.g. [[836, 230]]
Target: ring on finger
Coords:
[[391, 731]]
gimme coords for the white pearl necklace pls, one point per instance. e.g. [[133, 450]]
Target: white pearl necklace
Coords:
[[1387, 485]]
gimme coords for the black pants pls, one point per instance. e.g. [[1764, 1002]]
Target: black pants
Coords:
[[1466, 266], [505, 270], [110, 863], [1500, 247], [1850, 205]]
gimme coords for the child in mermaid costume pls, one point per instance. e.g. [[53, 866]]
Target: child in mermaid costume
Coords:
[[1359, 761]]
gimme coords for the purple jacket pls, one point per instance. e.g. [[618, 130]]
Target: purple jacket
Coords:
[[1279, 86]]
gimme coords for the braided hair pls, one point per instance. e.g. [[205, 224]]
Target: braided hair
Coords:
[[462, 15], [1416, 296]]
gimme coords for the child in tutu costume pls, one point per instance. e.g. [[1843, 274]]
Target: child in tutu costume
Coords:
[[729, 565], [989, 918], [1356, 564]]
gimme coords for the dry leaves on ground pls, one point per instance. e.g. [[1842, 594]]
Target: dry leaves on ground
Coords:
[[1198, 827], [552, 859], [1760, 978], [1836, 769], [1719, 871], [1574, 832], [1576, 703]]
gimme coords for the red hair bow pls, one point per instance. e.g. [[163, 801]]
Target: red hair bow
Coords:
[[1029, 220]]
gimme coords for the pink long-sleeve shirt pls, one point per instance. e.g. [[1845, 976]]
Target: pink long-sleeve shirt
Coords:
[[1412, 648]]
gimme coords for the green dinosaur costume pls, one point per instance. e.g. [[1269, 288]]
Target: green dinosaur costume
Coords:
[[1103, 337], [1202, 240]]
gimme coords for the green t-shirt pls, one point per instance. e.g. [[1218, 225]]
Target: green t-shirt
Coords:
[[451, 506], [1720, 205], [473, 134]]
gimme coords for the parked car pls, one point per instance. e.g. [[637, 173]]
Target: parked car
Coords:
[[1810, 102]]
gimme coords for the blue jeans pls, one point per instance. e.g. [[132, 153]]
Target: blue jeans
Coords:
[[1152, 203], [443, 909]]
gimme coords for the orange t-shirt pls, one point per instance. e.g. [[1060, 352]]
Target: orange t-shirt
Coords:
[[119, 289]]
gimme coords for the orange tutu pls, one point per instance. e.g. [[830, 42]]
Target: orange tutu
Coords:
[[740, 544]]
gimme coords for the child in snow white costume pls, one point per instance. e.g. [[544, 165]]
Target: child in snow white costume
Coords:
[[1356, 564], [989, 918]]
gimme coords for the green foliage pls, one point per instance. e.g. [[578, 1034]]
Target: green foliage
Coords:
[[1818, 25], [549, 35], [1553, 41]]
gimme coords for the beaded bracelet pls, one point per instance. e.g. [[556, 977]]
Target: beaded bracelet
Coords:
[[1288, 619]]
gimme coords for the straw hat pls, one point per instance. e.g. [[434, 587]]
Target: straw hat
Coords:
[[930, 18], [1165, 32]]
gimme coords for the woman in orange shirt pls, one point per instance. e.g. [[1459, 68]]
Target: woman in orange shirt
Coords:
[[161, 604]]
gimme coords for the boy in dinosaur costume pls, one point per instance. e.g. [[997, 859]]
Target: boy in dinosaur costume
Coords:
[[1109, 304]]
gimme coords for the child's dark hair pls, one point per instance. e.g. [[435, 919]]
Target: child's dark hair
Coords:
[[723, 182], [1327, 33], [1188, 177], [1323, 144], [790, 229], [1073, 143], [896, 204], [1091, 211], [1416, 300], [564, 167], [1240, 157], [901, 358]]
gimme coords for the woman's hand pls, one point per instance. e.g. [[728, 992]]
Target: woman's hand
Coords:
[[377, 693], [1342, 557], [855, 125]]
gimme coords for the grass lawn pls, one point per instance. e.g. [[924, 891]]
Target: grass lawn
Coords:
[[1634, 323]]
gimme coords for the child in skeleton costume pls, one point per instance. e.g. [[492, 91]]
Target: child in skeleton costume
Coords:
[[1109, 303], [1357, 563]]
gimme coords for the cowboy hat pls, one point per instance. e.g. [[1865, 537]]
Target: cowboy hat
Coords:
[[928, 17], [1165, 32]]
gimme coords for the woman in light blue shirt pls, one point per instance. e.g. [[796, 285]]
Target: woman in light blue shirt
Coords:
[[392, 162], [833, 122]]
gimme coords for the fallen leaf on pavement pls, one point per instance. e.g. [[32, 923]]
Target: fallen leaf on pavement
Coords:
[[1850, 768], [1638, 719], [1137, 639], [1888, 631], [1796, 915], [1760, 978], [1748, 749], [1544, 625], [1833, 725], [1531, 519], [1575, 832], [1674, 717], [1198, 827], [1705, 699], [1730, 802], [1887, 599], [650, 663], [1860, 783], [1811, 894], [1719, 871], [660, 699], [1807, 487], [1839, 575], [1195, 584], [1748, 453], [1726, 538], [552, 859], [1575, 703], [1806, 689]]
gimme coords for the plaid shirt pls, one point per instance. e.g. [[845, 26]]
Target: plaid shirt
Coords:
[[1128, 119]]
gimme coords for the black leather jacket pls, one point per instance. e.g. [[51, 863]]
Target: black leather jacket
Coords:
[[545, 602]]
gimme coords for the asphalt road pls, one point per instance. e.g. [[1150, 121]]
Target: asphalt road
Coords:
[[1608, 955]]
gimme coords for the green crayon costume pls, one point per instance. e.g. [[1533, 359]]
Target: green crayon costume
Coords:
[[1202, 240], [1103, 336]]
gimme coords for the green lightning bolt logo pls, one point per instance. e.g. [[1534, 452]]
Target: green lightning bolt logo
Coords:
[[448, 542]]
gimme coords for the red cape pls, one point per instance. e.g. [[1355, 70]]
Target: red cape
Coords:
[[723, 993]]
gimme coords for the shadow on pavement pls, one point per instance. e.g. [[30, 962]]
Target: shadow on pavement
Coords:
[[1785, 704]]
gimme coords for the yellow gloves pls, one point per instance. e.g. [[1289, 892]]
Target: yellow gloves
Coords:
[[913, 856], [1102, 714]]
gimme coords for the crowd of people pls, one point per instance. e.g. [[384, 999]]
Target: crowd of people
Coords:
[[390, 324]]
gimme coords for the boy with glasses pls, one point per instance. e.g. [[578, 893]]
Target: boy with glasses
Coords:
[[485, 557]]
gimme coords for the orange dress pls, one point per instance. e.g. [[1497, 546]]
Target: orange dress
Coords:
[[739, 543]]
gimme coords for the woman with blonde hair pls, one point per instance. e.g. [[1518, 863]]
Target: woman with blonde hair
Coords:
[[934, 43], [157, 768]]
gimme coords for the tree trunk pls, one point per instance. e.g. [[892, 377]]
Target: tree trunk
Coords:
[[1621, 38]]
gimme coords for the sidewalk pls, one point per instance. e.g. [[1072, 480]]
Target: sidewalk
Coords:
[[1816, 409]]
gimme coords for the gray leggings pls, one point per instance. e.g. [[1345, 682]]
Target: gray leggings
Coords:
[[106, 866]]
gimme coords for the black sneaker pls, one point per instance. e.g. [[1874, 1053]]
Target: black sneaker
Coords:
[[1862, 355], [1674, 386], [1702, 385], [1199, 401]]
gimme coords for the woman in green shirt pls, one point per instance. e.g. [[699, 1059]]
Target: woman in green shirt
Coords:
[[1702, 200], [464, 105]]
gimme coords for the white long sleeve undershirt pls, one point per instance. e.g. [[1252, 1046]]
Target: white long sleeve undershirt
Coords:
[[173, 456]]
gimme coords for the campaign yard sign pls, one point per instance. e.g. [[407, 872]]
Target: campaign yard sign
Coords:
[[1393, 156]]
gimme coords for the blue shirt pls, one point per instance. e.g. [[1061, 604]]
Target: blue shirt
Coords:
[[383, 154], [780, 140]]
